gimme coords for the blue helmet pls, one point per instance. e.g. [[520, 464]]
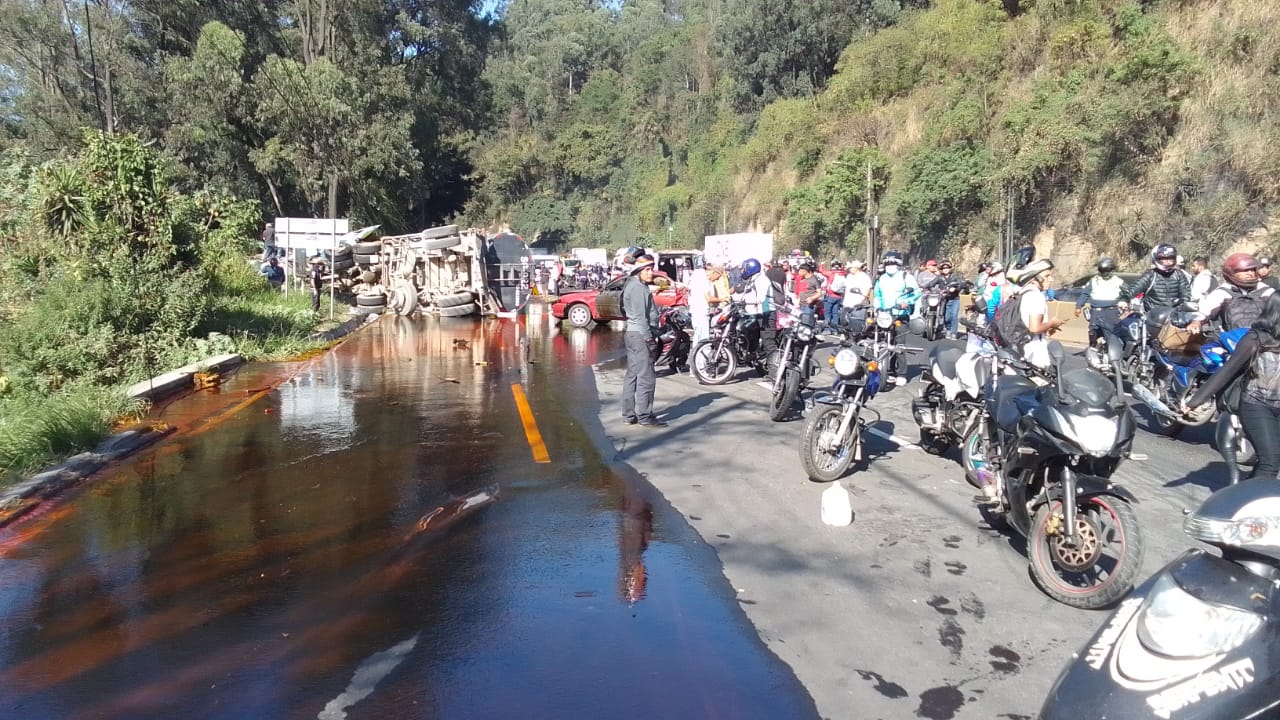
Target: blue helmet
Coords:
[[750, 267]]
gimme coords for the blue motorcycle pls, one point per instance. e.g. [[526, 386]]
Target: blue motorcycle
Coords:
[[1186, 372]]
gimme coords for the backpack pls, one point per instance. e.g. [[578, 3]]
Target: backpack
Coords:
[[1008, 329], [1242, 308]]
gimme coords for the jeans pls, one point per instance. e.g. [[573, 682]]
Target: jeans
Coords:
[[1262, 425], [951, 316], [831, 310], [641, 380]]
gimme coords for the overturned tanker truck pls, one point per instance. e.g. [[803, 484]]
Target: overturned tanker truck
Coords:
[[443, 271]]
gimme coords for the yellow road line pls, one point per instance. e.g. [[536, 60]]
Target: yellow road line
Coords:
[[538, 447]]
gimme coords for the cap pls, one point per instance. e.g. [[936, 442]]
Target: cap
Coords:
[[642, 262], [857, 264], [1264, 261]]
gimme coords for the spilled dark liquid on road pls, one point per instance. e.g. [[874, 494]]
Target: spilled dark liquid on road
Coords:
[[365, 534]]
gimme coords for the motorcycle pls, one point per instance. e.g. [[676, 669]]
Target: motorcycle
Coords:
[[792, 365], [673, 339], [1051, 451], [832, 438], [1197, 640], [882, 342], [949, 405], [735, 340], [932, 303]]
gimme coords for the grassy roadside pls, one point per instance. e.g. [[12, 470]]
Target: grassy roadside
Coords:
[[39, 428]]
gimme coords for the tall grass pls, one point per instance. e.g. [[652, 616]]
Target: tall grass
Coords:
[[36, 429]]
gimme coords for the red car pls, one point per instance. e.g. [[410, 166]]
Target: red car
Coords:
[[583, 307]]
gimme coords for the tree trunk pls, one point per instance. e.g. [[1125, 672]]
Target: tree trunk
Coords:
[[275, 196]]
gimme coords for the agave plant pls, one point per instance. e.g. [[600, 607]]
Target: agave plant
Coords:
[[64, 207]]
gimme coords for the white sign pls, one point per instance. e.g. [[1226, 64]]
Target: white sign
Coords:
[[734, 248], [310, 234]]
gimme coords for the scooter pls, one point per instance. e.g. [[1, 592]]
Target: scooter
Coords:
[[1198, 640]]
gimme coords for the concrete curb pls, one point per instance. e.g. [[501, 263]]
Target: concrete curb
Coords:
[[174, 380], [20, 499]]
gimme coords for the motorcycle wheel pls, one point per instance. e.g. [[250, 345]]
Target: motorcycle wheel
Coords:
[[711, 364], [973, 457], [1161, 423], [784, 396], [1100, 568], [819, 464]]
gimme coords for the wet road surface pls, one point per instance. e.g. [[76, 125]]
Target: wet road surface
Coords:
[[373, 533]]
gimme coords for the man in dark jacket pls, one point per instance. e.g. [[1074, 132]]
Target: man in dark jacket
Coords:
[[641, 341], [1162, 286]]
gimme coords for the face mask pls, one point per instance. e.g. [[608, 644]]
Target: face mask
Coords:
[[890, 269]]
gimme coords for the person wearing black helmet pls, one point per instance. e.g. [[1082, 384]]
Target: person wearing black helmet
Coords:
[[1102, 295], [1161, 286]]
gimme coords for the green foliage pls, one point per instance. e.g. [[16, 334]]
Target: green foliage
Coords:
[[942, 187], [782, 127], [36, 429], [828, 213]]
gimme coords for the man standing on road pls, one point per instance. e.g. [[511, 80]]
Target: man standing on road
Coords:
[[318, 272], [641, 341], [1201, 278], [857, 288], [834, 295]]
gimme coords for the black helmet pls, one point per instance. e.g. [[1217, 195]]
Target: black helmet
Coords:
[[1165, 258], [1106, 265], [807, 264]]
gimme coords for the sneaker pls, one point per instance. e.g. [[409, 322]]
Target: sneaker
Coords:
[[652, 422], [630, 420]]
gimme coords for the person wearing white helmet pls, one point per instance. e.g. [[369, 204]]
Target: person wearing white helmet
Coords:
[[1033, 308], [991, 288]]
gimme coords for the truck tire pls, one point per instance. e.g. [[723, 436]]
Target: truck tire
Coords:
[[441, 243], [363, 259], [367, 247], [458, 310], [442, 231], [341, 252], [454, 300], [342, 265], [370, 300]]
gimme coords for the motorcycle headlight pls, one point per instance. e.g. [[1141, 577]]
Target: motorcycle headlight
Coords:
[[846, 363], [884, 319], [804, 333], [1095, 435], [933, 301], [1241, 533], [1175, 623]]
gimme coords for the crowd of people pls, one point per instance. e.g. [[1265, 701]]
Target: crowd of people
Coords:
[[840, 295]]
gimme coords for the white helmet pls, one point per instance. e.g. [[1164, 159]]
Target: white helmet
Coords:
[[1031, 271]]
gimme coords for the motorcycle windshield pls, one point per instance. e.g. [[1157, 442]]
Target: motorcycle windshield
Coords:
[[1088, 386]]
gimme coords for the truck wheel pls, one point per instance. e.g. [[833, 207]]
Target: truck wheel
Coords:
[[455, 299], [458, 310], [443, 231], [367, 247], [371, 300]]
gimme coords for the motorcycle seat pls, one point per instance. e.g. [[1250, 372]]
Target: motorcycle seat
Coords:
[[1008, 389], [944, 358]]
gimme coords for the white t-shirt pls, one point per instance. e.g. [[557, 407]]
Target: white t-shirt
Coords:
[[1200, 285], [1036, 351], [857, 286], [699, 286]]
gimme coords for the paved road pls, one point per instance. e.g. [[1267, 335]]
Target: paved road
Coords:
[[915, 610], [420, 524]]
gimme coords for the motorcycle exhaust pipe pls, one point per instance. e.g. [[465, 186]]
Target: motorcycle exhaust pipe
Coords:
[[1148, 398]]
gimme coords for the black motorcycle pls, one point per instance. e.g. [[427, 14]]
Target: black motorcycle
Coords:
[[735, 340], [792, 365], [1198, 640], [832, 438], [673, 339], [932, 303], [1051, 451]]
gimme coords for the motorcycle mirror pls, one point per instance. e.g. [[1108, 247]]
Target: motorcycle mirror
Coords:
[[916, 326]]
